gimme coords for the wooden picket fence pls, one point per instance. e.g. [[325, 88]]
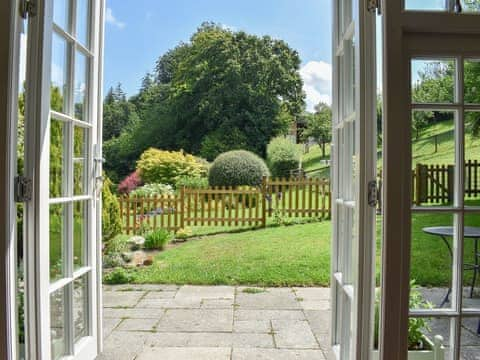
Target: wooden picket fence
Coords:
[[435, 183], [228, 206]]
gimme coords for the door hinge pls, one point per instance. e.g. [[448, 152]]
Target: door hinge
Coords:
[[374, 6], [23, 189], [28, 8], [372, 194]]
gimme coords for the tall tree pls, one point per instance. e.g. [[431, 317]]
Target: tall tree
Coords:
[[319, 126], [233, 83], [117, 113]]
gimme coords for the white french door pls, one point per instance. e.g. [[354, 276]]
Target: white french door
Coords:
[[62, 152], [354, 170], [427, 129]]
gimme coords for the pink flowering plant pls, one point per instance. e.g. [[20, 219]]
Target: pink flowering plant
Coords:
[[130, 183]]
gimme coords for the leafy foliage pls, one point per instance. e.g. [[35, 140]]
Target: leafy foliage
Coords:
[[117, 113], [152, 190], [232, 82], [111, 221], [319, 126], [236, 168], [282, 156], [158, 166], [416, 326], [130, 183], [220, 91], [191, 182], [117, 244], [118, 276], [157, 239]]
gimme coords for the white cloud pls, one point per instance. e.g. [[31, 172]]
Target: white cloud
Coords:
[[317, 83], [110, 19]]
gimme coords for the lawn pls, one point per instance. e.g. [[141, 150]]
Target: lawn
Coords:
[[279, 256], [292, 255]]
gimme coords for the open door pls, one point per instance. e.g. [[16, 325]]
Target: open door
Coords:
[[63, 142], [353, 179]]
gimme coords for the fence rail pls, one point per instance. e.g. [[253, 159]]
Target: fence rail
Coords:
[[228, 206]]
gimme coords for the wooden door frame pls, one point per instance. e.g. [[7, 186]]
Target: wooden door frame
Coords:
[[397, 24]]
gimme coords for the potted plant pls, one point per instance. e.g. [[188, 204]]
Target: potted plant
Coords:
[[420, 346]]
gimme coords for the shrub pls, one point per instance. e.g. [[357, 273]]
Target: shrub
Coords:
[[157, 239], [118, 276], [192, 182], [117, 244], [152, 190], [111, 220], [282, 156], [112, 260], [158, 166], [238, 167], [130, 183]]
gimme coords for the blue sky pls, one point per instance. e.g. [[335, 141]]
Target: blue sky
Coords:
[[139, 31]]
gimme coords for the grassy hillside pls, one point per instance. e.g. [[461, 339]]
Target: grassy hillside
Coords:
[[434, 145]]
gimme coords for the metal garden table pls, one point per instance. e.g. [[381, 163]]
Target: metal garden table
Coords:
[[469, 232]]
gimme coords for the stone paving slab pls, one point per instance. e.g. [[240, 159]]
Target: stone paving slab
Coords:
[[114, 299], [294, 334], [180, 353], [133, 313], [187, 320], [276, 354], [144, 322], [137, 325]]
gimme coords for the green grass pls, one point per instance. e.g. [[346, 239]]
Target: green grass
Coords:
[[312, 161], [293, 256], [281, 256]]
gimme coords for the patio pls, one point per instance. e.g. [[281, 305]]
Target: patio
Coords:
[[215, 322]]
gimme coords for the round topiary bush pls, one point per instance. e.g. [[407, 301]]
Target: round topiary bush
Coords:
[[236, 168]]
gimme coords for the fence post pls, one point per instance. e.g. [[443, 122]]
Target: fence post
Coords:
[[451, 181], [421, 184], [264, 201], [181, 206]]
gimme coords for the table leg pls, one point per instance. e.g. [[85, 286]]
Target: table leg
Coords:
[[446, 299], [475, 268]]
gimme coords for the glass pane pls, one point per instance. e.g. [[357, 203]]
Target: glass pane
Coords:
[[471, 259], [57, 241], [61, 9], [79, 161], [82, 21], [433, 157], [472, 81], [472, 158], [431, 261], [80, 307], [435, 5], [80, 86], [59, 74], [79, 234], [57, 324], [57, 159], [433, 81], [471, 5], [470, 338]]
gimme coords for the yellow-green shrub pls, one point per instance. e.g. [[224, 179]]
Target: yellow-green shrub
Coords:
[[111, 220], [160, 166]]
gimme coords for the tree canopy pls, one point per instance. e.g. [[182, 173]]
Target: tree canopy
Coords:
[[221, 91]]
